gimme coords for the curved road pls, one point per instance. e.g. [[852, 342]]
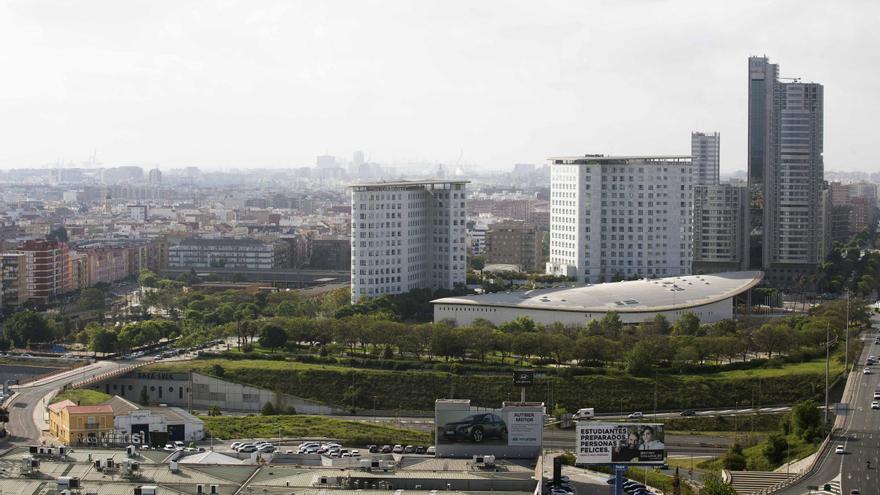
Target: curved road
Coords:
[[22, 406], [860, 437]]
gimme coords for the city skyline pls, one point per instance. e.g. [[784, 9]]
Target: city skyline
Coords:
[[472, 84]]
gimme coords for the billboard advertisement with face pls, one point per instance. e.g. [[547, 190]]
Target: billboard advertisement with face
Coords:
[[514, 428], [620, 443]]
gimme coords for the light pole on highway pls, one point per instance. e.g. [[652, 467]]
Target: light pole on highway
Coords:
[[846, 345], [827, 357]]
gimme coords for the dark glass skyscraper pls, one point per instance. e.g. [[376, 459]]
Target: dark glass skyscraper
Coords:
[[786, 189]]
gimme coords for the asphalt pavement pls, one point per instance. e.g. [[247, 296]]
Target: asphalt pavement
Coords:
[[859, 436], [22, 406]]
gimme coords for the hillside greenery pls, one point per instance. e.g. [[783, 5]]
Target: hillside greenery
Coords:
[[82, 396], [349, 433]]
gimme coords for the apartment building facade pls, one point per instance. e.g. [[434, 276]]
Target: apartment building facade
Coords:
[[407, 235], [47, 269], [624, 217], [706, 156], [720, 228], [516, 243], [249, 254]]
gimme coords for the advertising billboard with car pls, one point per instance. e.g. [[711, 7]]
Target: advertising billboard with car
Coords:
[[620, 443], [507, 432]]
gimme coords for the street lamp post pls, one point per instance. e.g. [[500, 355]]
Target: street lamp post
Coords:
[[787, 456], [827, 357], [846, 345]]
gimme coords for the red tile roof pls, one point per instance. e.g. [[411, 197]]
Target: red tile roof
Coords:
[[59, 406]]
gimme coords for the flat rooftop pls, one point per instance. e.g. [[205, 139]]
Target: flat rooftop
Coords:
[[661, 294], [406, 183], [415, 475], [618, 160]]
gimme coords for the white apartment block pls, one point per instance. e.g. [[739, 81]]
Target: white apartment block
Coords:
[[706, 156], [623, 217], [407, 235]]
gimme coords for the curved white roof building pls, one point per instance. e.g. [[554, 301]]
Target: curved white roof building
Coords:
[[708, 296]]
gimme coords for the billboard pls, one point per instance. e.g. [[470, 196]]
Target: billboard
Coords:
[[620, 443], [523, 378], [511, 431]]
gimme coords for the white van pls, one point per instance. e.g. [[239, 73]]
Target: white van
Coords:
[[585, 413]]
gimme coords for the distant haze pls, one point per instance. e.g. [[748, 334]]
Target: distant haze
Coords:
[[493, 83]]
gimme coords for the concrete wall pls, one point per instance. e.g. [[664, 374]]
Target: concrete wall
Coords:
[[196, 391], [465, 314]]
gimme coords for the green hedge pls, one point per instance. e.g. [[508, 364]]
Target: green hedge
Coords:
[[417, 390], [350, 433]]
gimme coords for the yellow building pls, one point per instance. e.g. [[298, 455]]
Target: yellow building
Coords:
[[78, 425]]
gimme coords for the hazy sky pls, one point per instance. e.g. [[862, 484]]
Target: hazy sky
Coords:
[[272, 84]]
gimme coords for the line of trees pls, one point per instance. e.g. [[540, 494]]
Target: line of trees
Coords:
[[606, 342]]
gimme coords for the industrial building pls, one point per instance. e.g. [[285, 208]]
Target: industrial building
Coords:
[[710, 297]]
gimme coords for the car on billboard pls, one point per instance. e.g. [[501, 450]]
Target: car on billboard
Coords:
[[476, 428]]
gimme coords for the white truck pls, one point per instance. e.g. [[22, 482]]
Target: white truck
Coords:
[[584, 413]]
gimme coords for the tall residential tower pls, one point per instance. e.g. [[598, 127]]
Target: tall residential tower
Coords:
[[407, 235], [623, 217], [706, 156], [788, 202]]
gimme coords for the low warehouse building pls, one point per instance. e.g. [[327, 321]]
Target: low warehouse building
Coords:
[[710, 297]]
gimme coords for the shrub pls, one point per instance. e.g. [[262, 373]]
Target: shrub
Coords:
[[734, 459], [774, 448], [268, 409], [217, 370]]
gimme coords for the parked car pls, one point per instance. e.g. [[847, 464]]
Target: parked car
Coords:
[[409, 449], [355, 453], [688, 412], [236, 445], [247, 449], [180, 444], [169, 446], [266, 449], [420, 450], [875, 405], [636, 415], [398, 449], [431, 450], [373, 449], [476, 428], [386, 449]]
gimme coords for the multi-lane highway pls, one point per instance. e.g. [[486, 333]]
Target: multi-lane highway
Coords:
[[859, 436]]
